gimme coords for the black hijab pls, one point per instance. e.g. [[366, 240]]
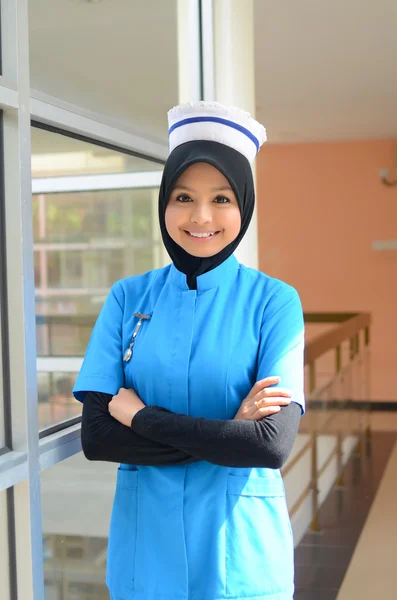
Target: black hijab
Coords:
[[236, 168]]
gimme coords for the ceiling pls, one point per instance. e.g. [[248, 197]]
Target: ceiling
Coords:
[[324, 70]]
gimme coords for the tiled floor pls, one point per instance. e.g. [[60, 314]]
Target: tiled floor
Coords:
[[321, 559]]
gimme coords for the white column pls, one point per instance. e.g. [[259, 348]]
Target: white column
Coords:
[[188, 50], [234, 81]]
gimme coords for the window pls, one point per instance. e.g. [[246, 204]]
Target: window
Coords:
[[75, 528], [94, 222], [4, 559], [119, 60]]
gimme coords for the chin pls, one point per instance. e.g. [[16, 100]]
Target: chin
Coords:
[[203, 253]]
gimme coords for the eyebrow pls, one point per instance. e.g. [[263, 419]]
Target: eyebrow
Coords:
[[216, 189]]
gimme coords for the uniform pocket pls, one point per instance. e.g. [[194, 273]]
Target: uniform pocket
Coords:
[[123, 533], [259, 545]]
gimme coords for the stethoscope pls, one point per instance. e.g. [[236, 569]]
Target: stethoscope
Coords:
[[128, 352]]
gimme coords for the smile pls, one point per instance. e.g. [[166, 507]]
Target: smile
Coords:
[[202, 236]]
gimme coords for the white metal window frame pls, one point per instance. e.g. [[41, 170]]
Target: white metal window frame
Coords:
[[92, 183], [28, 455], [96, 127]]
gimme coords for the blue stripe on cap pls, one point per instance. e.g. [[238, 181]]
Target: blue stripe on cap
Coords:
[[216, 120]]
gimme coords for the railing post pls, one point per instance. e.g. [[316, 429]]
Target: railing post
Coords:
[[359, 447], [338, 367], [312, 376], [367, 339], [314, 524], [312, 387], [339, 454], [352, 348], [338, 359]]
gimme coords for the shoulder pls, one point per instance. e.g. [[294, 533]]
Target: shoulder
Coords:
[[137, 286], [274, 293]]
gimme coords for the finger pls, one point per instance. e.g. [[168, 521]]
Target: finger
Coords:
[[273, 393], [262, 383], [265, 412], [265, 402]]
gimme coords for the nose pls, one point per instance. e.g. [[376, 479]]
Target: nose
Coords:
[[201, 214]]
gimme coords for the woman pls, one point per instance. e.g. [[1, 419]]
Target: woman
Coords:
[[180, 385]]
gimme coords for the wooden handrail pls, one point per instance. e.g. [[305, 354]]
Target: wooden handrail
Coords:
[[324, 342], [325, 317]]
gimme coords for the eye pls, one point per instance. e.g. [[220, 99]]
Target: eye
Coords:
[[183, 198], [221, 200]]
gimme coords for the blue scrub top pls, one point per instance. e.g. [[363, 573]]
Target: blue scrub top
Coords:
[[198, 531]]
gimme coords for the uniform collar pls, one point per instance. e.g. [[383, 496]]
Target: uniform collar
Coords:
[[212, 279]]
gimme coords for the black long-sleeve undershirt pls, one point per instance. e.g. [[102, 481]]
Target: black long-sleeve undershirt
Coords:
[[104, 438], [158, 437]]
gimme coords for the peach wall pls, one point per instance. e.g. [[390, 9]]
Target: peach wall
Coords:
[[320, 206]]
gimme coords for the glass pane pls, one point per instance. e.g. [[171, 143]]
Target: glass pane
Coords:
[[2, 276], [56, 403], [4, 550], [84, 241], [118, 60], [75, 528], [55, 155]]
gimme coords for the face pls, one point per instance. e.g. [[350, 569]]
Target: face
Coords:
[[202, 214]]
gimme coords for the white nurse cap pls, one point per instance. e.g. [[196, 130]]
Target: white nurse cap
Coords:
[[213, 121]]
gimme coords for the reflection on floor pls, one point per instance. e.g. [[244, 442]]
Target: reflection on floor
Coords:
[[321, 559], [372, 570]]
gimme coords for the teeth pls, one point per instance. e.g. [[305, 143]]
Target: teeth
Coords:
[[201, 235]]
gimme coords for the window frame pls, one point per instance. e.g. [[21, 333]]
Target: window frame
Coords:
[[26, 453]]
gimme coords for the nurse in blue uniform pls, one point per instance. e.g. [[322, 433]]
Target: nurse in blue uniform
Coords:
[[193, 382]]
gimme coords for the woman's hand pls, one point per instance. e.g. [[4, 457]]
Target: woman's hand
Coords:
[[124, 406], [263, 400]]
